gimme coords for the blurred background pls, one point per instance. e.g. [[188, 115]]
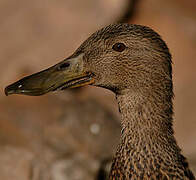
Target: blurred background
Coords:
[[73, 134]]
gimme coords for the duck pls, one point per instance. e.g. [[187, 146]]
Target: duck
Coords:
[[134, 62]]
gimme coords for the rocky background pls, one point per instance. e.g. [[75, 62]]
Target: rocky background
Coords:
[[72, 135]]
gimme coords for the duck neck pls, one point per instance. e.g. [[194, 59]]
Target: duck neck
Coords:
[[147, 140], [145, 115]]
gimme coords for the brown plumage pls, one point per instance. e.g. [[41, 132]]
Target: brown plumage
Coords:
[[135, 63]]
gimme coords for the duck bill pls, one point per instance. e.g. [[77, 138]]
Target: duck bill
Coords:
[[67, 74]]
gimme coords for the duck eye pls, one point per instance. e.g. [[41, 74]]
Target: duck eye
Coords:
[[119, 47], [63, 66]]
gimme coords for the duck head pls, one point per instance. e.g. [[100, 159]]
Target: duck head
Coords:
[[117, 57]]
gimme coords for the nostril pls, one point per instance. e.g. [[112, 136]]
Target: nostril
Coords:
[[64, 66]]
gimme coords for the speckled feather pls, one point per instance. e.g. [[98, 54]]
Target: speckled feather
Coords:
[[141, 78]]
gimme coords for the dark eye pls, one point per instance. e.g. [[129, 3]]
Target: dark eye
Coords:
[[119, 47], [63, 66]]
